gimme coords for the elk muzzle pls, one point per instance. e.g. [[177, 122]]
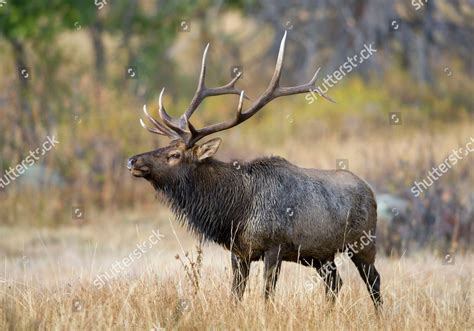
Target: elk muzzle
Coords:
[[137, 168]]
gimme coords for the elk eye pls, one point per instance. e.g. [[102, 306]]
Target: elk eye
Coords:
[[175, 155]]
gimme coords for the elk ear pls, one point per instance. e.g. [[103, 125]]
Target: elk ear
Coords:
[[208, 149]]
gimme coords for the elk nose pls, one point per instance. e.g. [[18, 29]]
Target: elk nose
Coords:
[[131, 162]]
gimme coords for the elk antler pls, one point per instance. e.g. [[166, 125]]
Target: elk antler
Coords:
[[183, 129]]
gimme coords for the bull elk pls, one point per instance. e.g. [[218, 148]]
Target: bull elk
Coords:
[[267, 208]]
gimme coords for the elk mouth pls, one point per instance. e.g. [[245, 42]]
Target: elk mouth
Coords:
[[140, 172], [137, 170]]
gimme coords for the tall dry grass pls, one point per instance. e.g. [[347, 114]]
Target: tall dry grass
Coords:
[[47, 284]]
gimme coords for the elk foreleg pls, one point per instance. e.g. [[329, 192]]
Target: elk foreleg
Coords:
[[240, 269], [272, 261]]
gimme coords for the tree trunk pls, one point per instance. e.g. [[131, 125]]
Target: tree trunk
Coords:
[[26, 122], [99, 50]]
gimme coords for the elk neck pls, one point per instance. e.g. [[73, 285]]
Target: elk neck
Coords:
[[212, 199]]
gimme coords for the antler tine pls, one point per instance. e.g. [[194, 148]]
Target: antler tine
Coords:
[[241, 103], [197, 95], [202, 91], [167, 119], [275, 82], [304, 88], [313, 81], [157, 124], [159, 128], [152, 130], [202, 75]]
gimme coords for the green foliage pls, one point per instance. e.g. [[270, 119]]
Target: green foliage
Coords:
[[42, 20]]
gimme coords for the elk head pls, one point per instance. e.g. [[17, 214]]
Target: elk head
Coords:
[[183, 152]]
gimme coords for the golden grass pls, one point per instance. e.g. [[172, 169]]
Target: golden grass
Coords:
[[46, 283]]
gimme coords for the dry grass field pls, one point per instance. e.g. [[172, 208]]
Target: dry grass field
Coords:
[[47, 283]]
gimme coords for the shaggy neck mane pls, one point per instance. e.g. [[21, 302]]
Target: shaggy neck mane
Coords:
[[208, 198]]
